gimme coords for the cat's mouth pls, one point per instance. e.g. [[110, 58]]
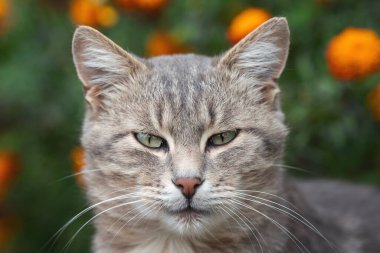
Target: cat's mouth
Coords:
[[189, 213]]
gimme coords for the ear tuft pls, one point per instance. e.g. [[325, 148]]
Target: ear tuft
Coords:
[[262, 54]]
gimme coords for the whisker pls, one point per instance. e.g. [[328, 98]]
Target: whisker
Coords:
[[281, 227], [76, 174], [300, 219], [293, 214], [137, 214], [63, 228], [254, 227], [211, 234], [151, 208], [295, 168], [126, 223], [156, 208], [146, 197], [97, 215], [106, 193], [123, 216], [267, 193], [221, 207]]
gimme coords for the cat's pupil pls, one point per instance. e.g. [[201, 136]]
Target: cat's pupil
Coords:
[[150, 141], [222, 138]]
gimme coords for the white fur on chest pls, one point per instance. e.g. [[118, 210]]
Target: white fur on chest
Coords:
[[164, 243]]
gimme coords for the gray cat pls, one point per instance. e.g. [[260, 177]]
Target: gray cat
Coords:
[[183, 154]]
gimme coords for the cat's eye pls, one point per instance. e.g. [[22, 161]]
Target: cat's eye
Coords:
[[222, 138], [150, 141]]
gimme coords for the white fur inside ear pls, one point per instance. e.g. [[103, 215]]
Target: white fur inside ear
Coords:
[[99, 60], [101, 65], [104, 64], [258, 59]]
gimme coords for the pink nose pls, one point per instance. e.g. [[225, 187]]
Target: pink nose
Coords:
[[188, 186]]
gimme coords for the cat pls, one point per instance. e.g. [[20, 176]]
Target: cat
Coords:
[[183, 154]]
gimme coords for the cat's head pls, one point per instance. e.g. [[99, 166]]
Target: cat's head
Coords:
[[180, 139]]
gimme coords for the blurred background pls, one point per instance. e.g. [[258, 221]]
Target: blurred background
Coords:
[[331, 94]]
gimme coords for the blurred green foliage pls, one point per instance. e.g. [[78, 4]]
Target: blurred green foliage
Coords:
[[332, 132]]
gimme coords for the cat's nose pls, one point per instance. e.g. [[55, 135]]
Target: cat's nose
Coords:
[[188, 186]]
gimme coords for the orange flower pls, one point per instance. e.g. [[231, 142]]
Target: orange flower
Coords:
[[373, 102], [83, 12], [4, 13], [77, 158], [9, 166], [150, 5], [3, 8], [107, 16], [127, 5], [143, 5], [161, 43], [245, 22], [353, 54], [93, 13]]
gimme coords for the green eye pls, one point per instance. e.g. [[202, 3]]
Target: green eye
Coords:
[[222, 138], [150, 141]]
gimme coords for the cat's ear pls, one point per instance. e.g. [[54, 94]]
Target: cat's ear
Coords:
[[261, 57], [100, 63], [261, 54]]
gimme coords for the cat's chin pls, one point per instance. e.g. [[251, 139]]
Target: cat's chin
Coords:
[[188, 221]]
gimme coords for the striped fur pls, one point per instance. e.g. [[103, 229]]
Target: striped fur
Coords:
[[245, 203]]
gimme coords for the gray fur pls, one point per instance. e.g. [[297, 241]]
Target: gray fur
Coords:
[[185, 99]]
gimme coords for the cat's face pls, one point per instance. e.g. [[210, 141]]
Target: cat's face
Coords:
[[179, 137]]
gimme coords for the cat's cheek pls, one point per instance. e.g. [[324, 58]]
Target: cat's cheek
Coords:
[[171, 197], [202, 200]]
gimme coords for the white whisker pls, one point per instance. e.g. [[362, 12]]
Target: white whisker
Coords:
[[290, 212], [281, 227], [267, 193], [126, 223], [254, 227], [300, 218], [63, 228], [123, 216], [249, 237], [294, 168], [97, 215]]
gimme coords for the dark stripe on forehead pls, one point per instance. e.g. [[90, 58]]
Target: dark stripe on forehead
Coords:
[[158, 113], [211, 113]]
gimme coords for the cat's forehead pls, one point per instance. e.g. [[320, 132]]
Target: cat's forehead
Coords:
[[178, 87], [181, 82], [181, 67], [188, 92]]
